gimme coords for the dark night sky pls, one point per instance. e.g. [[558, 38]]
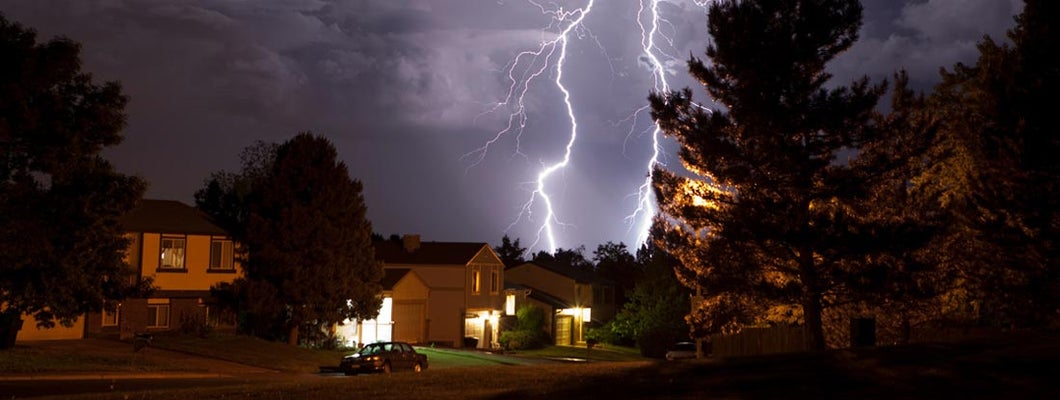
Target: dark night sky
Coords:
[[402, 87]]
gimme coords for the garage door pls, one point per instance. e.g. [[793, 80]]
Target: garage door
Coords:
[[408, 322], [563, 324]]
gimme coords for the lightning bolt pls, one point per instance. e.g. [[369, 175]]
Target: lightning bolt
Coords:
[[530, 65], [650, 34], [522, 71]]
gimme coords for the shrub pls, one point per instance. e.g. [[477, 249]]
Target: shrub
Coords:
[[521, 340]]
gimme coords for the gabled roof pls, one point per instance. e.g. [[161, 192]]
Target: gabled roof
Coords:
[[428, 253], [579, 276], [169, 216], [391, 276]]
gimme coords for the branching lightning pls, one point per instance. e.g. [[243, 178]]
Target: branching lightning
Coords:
[[530, 65]]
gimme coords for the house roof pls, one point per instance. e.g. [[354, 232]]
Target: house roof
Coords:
[[428, 253], [549, 299], [169, 216], [391, 276], [579, 276]]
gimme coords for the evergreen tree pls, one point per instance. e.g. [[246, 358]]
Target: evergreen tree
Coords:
[[510, 252], [768, 220], [61, 246]]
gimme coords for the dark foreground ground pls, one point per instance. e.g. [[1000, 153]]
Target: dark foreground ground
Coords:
[[1011, 366]]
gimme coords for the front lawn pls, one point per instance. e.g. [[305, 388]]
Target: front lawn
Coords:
[[597, 353], [252, 351]]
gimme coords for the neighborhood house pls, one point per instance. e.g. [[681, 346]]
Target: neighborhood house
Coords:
[[185, 253], [574, 299], [444, 293]]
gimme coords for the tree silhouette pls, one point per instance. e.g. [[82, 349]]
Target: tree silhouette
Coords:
[[510, 252], [615, 263], [997, 172], [767, 218], [308, 241], [61, 246]]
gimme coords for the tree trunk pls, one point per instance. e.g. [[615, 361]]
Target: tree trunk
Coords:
[[811, 311], [811, 302], [10, 324], [292, 335]]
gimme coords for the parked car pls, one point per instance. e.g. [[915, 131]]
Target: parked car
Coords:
[[682, 350], [384, 357]]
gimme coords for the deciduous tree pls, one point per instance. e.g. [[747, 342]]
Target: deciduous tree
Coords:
[[307, 237], [61, 246], [997, 172]]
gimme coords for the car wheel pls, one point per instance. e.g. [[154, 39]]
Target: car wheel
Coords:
[[386, 368], [418, 367]]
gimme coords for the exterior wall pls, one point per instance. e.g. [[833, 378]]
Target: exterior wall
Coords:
[[410, 309], [488, 297], [187, 290], [30, 331], [196, 274], [445, 318]]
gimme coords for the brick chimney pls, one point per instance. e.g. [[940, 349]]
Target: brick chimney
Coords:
[[411, 242]]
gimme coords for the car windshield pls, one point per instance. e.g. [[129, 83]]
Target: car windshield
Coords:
[[370, 349]]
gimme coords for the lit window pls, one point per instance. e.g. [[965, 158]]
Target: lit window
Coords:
[[172, 253], [476, 281], [221, 254], [509, 304], [157, 314]]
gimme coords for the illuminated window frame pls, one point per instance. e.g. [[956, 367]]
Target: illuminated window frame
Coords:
[[172, 252], [495, 281], [476, 280]]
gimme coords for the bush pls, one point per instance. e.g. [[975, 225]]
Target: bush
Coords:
[[521, 340], [530, 318]]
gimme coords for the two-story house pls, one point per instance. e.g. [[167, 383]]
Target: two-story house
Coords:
[[185, 254], [573, 298], [435, 292]]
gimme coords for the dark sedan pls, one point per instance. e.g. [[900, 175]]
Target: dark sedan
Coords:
[[384, 357]]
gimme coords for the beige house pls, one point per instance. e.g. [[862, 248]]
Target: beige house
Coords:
[[573, 298], [435, 293], [184, 253]]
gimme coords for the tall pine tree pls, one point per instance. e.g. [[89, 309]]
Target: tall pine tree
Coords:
[[768, 218]]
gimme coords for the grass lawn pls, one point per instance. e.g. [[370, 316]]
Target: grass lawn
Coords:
[[597, 353], [83, 356], [1010, 367], [251, 351]]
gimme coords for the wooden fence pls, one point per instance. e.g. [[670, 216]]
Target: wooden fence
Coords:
[[758, 341]]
